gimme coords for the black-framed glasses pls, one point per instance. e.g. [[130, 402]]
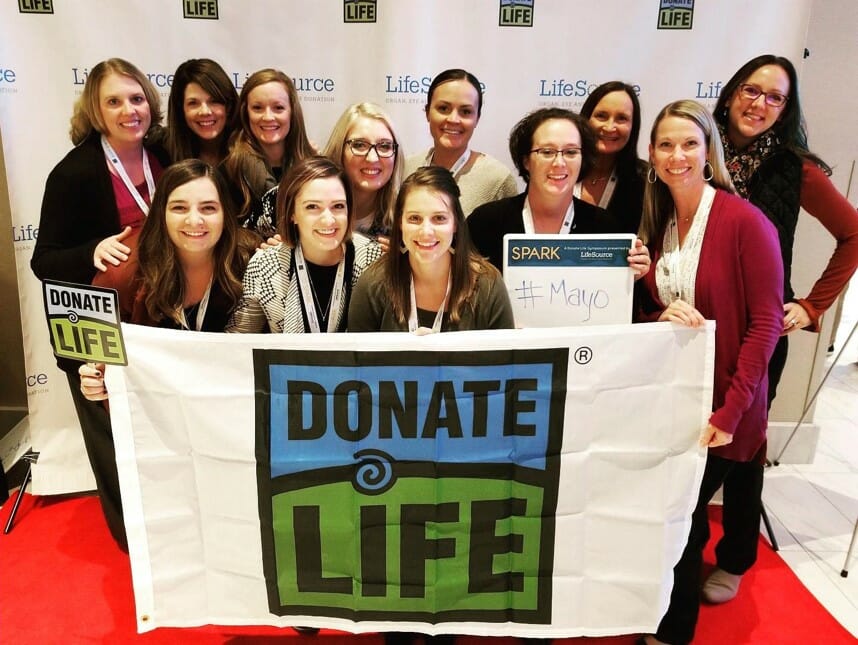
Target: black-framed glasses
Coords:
[[361, 147], [550, 154], [752, 93]]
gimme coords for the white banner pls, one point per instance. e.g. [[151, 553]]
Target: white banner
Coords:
[[526, 54], [523, 482]]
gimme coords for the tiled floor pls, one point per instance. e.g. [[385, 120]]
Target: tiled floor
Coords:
[[814, 507]]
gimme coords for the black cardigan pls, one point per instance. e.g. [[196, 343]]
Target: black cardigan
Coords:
[[490, 222], [78, 211]]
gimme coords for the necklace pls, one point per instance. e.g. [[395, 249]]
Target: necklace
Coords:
[[324, 312], [596, 180]]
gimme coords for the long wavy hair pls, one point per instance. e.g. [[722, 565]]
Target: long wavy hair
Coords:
[[298, 176], [181, 141], [246, 165], [466, 265], [521, 138], [627, 164], [658, 202], [160, 271], [790, 128], [336, 150], [87, 117]]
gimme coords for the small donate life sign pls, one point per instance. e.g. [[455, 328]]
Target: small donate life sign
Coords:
[[561, 280], [84, 322]]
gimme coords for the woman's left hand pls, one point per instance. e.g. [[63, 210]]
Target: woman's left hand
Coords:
[[795, 317], [713, 437], [639, 259]]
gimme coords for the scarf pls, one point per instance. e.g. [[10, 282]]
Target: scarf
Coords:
[[742, 164]]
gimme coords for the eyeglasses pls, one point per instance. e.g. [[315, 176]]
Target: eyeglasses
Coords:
[[361, 148], [550, 154], [752, 93]]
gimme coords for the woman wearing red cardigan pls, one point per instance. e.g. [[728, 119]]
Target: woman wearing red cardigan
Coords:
[[717, 258]]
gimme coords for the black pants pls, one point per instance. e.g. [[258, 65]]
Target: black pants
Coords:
[[98, 439], [678, 625], [743, 488]]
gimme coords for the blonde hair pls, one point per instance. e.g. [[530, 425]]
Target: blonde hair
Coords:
[[658, 202], [87, 110], [335, 150]]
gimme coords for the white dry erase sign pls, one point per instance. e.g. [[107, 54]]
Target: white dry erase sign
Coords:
[[561, 280]]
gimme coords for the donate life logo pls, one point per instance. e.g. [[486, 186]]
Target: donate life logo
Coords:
[[413, 486]]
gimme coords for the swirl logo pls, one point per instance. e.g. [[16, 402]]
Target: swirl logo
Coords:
[[374, 472], [73, 317]]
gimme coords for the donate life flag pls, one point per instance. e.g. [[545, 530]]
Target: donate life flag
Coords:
[[524, 482]]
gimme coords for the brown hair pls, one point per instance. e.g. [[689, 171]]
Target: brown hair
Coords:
[[159, 269], [246, 165], [299, 175], [466, 265]]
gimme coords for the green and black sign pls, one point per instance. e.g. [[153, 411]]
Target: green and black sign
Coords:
[[412, 486], [84, 322]]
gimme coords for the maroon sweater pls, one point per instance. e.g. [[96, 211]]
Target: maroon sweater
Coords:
[[740, 287]]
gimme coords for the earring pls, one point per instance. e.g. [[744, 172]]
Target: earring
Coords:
[[402, 248], [651, 176], [711, 171]]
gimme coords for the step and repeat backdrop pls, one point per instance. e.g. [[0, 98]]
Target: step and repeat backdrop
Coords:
[[527, 54]]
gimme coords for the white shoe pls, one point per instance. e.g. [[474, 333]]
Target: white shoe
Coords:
[[721, 587]]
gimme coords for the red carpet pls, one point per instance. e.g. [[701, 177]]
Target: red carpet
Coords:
[[65, 581]]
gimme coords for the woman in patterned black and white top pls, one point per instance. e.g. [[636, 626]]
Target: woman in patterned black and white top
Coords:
[[304, 284]]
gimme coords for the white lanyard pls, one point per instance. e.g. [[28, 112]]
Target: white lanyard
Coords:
[[439, 317], [201, 310], [113, 158], [527, 218], [308, 296], [606, 196], [457, 166]]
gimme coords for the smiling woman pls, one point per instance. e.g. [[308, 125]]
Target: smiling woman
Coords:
[[202, 112], [271, 138], [551, 147], [615, 181], [454, 104], [304, 284], [435, 282], [364, 143], [94, 197]]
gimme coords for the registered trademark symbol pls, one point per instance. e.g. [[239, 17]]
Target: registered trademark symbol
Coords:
[[583, 355]]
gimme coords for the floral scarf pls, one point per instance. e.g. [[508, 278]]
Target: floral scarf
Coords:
[[742, 164]]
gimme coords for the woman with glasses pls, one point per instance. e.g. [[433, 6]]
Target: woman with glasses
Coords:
[[364, 143], [716, 258], [304, 284], [454, 104], [551, 147], [437, 282], [765, 144], [271, 138], [615, 180]]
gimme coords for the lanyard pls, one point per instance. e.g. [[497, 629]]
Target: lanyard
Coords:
[[527, 218], [439, 317], [201, 310], [308, 295], [606, 195], [113, 158], [457, 166]]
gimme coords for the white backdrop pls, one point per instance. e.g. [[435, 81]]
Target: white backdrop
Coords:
[[571, 46]]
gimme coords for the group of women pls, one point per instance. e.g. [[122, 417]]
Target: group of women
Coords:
[[229, 220]]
